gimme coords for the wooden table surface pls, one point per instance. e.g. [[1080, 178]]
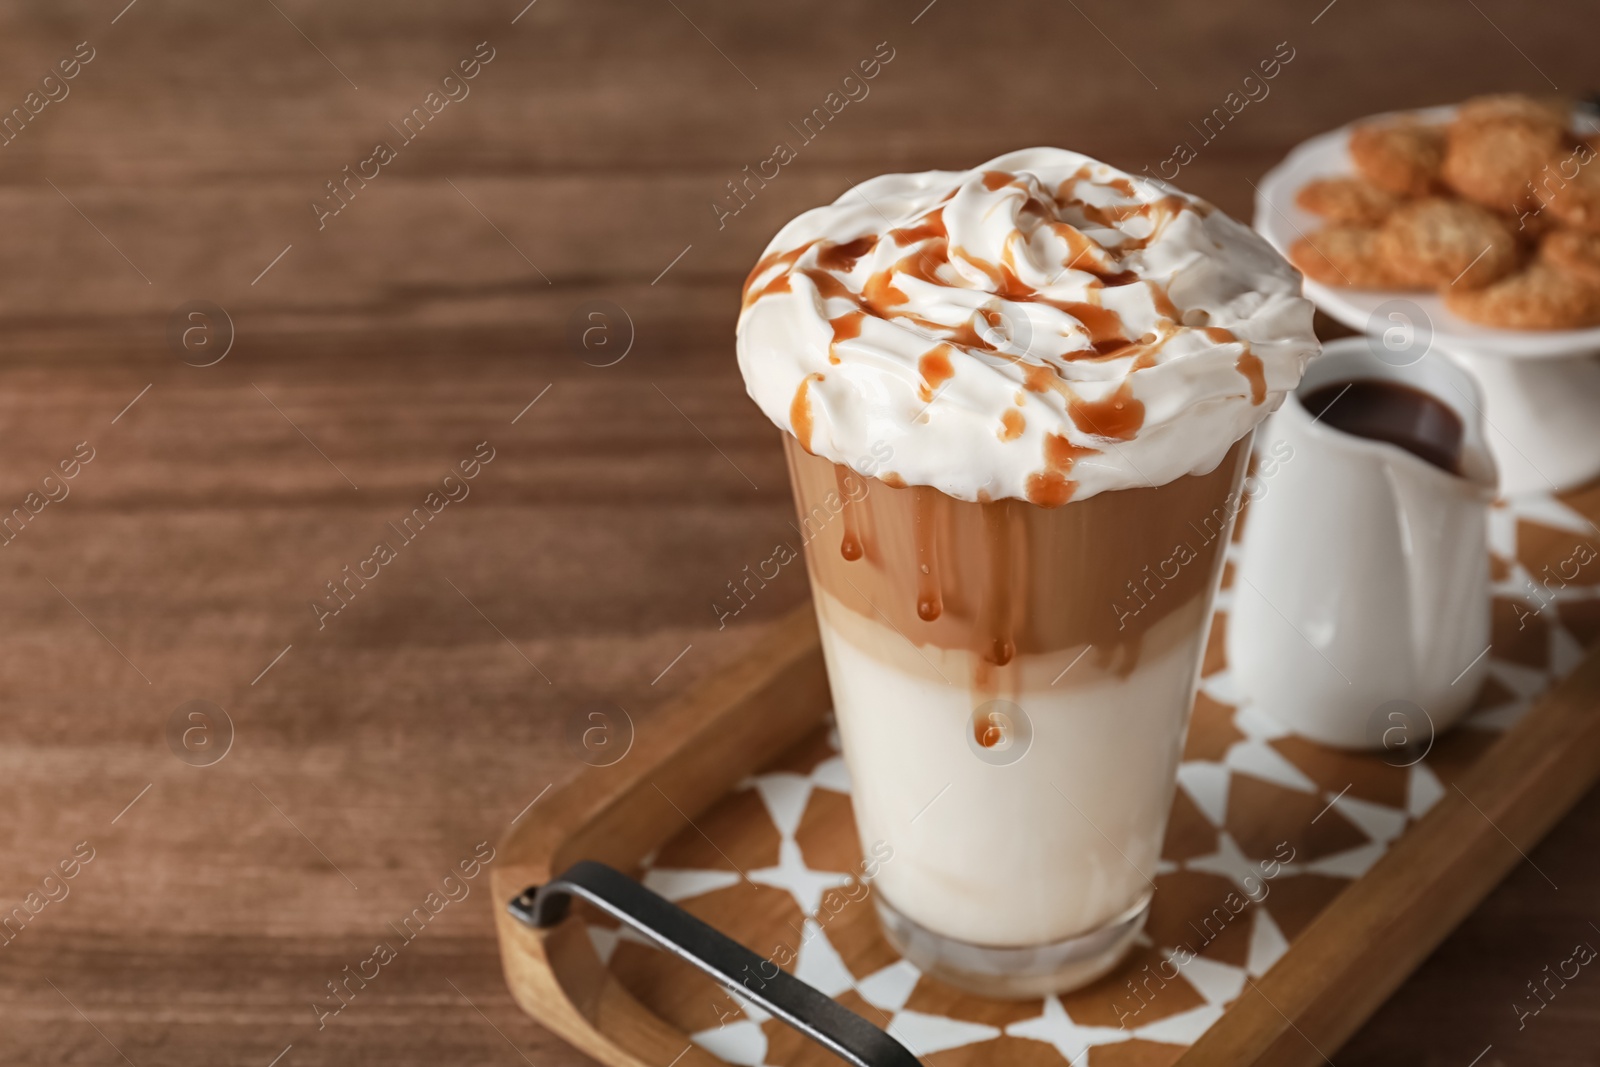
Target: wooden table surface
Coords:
[[374, 350]]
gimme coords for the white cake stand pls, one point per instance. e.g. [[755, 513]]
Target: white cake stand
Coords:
[[1541, 388]]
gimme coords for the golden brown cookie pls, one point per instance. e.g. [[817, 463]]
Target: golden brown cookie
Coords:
[[1541, 296], [1498, 107], [1533, 223], [1346, 200], [1574, 251], [1346, 255], [1495, 161], [1400, 156], [1436, 243], [1569, 187]]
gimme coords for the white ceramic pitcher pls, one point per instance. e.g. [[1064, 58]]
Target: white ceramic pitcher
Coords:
[[1364, 578]]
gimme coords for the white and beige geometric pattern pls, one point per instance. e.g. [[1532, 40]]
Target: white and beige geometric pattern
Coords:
[[759, 863]]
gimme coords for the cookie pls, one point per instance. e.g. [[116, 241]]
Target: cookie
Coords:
[[1496, 161], [1344, 255], [1346, 200], [1569, 187], [1437, 243], [1533, 223], [1541, 296], [1520, 107], [1402, 156], [1575, 252]]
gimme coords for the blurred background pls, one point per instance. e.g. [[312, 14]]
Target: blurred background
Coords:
[[273, 338]]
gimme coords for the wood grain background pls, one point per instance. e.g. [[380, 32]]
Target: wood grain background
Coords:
[[371, 755]]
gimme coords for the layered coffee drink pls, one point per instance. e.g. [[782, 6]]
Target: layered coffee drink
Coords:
[[1017, 405]]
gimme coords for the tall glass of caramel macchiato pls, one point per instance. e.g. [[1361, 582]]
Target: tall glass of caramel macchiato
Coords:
[[1017, 405]]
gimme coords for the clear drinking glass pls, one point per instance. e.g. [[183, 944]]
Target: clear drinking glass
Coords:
[[1013, 686]]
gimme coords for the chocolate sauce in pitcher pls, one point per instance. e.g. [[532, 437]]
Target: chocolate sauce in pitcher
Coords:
[[1393, 413]]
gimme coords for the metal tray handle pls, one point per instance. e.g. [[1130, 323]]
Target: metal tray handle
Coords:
[[820, 1018]]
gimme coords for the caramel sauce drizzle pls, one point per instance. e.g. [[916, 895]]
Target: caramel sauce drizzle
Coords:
[[930, 227], [1117, 416], [881, 296], [845, 327], [800, 411], [1248, 364], [828, 285], [1039, 377], [935, 369], [1088, 255], [930, 597], [1143, 351], [1160, 211], [967, 336], [987, 733], [1050, 488], [766, 263], [780, 284], [1163, 302], [997, 622], [850, 546], [1104, 326], [842, 257]]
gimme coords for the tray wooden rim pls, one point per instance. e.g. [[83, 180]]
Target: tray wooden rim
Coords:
[[1330, 980]]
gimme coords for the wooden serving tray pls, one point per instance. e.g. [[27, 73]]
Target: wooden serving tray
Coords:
[[733, 802]]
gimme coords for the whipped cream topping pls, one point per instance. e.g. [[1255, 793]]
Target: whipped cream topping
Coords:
[[1043, 326]]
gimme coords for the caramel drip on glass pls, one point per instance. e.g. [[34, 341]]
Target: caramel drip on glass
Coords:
[[1009, 576], [930, 596], [986, 733], [997, 646], [850, 546]]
